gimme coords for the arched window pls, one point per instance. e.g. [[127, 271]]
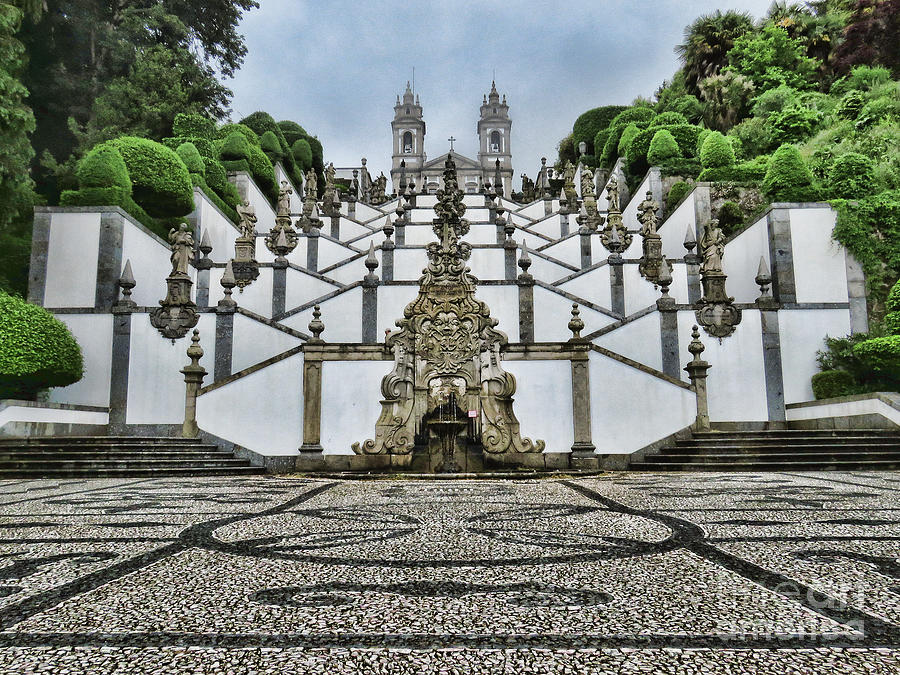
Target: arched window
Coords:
[[407, 142], [496, 141]]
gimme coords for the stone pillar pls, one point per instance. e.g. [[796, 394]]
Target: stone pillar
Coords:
[[121, 353], [586, 253], [617, 284], [336, 226], [400, 235], [225, 327], [856, 292], [771, 342], [203, 265], [109, 260], [581, 401], [781, 256], [312, 249], [668, 330], [563, 223], [40, 246], [509, 258], [702, 208], [279, 285], [312, 397], [526, 298], [193, 380], [692, 263], [370, 299], [387, 259], [696, 370]]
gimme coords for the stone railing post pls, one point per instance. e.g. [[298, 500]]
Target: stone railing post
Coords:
[[312, 387], [121, 352], [696, 370], [581, 388], [525, 282], [193, 379]]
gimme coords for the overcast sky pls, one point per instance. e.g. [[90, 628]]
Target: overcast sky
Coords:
[[337, 67]]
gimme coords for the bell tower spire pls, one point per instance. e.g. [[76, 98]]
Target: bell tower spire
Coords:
[[494, 128], [408, 129]]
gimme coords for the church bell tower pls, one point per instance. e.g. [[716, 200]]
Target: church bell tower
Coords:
[[493, 140], [409, 139]]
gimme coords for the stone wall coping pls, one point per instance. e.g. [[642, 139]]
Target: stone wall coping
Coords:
[[317, 301], [105, 209], [887, 397], [640, 366], [17, 403], [199, 191]]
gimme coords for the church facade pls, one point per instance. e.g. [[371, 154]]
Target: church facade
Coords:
[[410, 163]]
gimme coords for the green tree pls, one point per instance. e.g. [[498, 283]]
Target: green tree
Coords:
[[707, 42], [662, 148], [770, 58], [727, 97], [872, 36]]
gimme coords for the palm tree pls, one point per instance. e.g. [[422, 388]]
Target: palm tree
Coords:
[[706, 44]]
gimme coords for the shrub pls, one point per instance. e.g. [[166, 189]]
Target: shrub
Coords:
[[292, 131], [775, 100], [676, 194], [883, 108], [755, 136], [205, 147], [745, 172], [600, 141], [302, 153], [269, 145], [625, 139], [633, 114], [793, 124], [668, 118], [191, 158], [262, 170], [589, 161], [226, 130], [262, 122], [881, 356], [833, 383], [851, 105], [160, 182], [662, 148], [235, 152], [788, 179], [589, 123], [852, 175], [861, 78], [716, 151], [893, 299], [37, 350], [103, 167], [686, 167], [685, 136], [215, 175], [731, 217], [689, 107], [193, 126]]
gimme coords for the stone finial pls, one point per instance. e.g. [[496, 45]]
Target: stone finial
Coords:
[[193, 378], [696, 347], [664, 279], [126, 284], [524, 261], [371, 265], [316, 326], [205, 246], [696, 370], [228, 283], [763, 278], [576, 325], [690, 239], [195, 352], [388, 229]]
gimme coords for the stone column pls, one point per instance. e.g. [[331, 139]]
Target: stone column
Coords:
[[617, 283], [586, 253], [118, 374], [771, 342], [336, 226], [279, 285], [692, 263], [203, 265], [225, 327], [109, 260], [581, 401], [781, 256], [668, 324], [312, 398], [40, 246], [526, 298], [696, 370], [509, 259], [370, 299], [312, 249], [193, 380]]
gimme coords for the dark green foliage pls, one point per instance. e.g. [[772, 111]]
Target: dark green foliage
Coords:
[[292, 131], [716, 151], [851, 105], [861, 78], [205, 147], [892, 303], [191, 158], [676, 194], [880, 109], [769, 57], [731, 217], [633, 114], [870, 229], [668, 118], [871, 36], [589, 123], [881, 357], [746, 172], [625, 139], [227, 129], [688, 106], [215, 175], [194, 126], [600, 141], [851, 175], [701, 138], [262, 122], [662, 148], [686, 167], [589, 161], [103, 167], [262, 171], [707, 42], [37, 350], [235, 147], [160, 183], [685, 136], [788, 179], [833, 383], [775, 100], [567, 152], [318, 157], [302, 153], [755, 136], [793, 124], [269, 144]]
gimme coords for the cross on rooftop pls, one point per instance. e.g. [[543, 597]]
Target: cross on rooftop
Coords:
[[451, 139]]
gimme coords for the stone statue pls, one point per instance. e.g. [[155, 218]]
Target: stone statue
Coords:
[[182, 242], [284, 200], [612, 194], [311, 183], [527, 188], [712, 247], [329, 174], [647, 215], [587, 184], [248, 219], [569, 173]]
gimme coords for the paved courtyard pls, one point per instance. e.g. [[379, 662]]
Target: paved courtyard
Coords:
[[638, 573]]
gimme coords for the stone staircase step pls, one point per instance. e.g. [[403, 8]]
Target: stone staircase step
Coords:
[[809, 448], [725, 466], [6, 474], [774, 457]]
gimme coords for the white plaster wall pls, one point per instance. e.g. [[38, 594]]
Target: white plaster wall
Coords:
[[543, 402], [479, 233], [533, 210], [488, 263], [351, 390], [631, 409], [19, 413], [639, 293], [262, 411], [820, 267], [567, 250], [297, 196], [638, 340], [342, 316], [257, 297], [392, 300], [552, 313], [866, 406], [801, 333], [419, 235], [155, 383], [470, 200], [478, 214], [592, 286], [519, 219], [331, 253], [674, 228], [265, 214], [302, 288], [550, 226], [365, 213], [629, 213], [255, 342], [600, 253], [222, 231], [351, 229], [503, 302], [531, 240], [545, 270], [93, 332], [349, 272], [150, 263], [736, 384], [409, 263], [741, 261], [72, 260]]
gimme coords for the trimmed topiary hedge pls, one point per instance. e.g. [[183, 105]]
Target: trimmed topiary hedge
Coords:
[[227, 129], [852, 175], [160, 182], [833, 383], [292, 132], [676, 194], [667, 119], [731, 217], [37, 351], [191, 158], [268, 142], [235, 152], [589, 123], [787, 178], [716, 151], [685, 135], [662, 148], [881, 355], [194, 126], [205, 147], [746, 172]]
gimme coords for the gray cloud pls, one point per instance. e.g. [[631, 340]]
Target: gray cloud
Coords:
[[337, 67]]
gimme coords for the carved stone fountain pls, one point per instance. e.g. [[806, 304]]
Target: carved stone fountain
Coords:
[[447, 404]]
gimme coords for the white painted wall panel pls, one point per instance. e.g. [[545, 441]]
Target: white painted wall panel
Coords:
[[741, 261], [552, 313], [488, 263], [265, 214], [222, 231], [593, 286], [550, 226], [545, 270], [392, 300], [639, 293], [802, 333], [150, 263], [255, 342], [72, 260], [341, 315], [262, 411], [820, 267], [504, 304], [675, 227], [331, 253], [93, 332], [543, 402], [256, 297], [639, 340], [351, 390], [297, 196], [533, 210], [409, 263], [302, 288], [567, 250]]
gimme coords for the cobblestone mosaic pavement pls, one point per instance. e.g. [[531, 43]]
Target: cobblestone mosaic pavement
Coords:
[[631, 573]]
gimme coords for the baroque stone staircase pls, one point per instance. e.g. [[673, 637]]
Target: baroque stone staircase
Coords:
[[779, 450], [116, 456]]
